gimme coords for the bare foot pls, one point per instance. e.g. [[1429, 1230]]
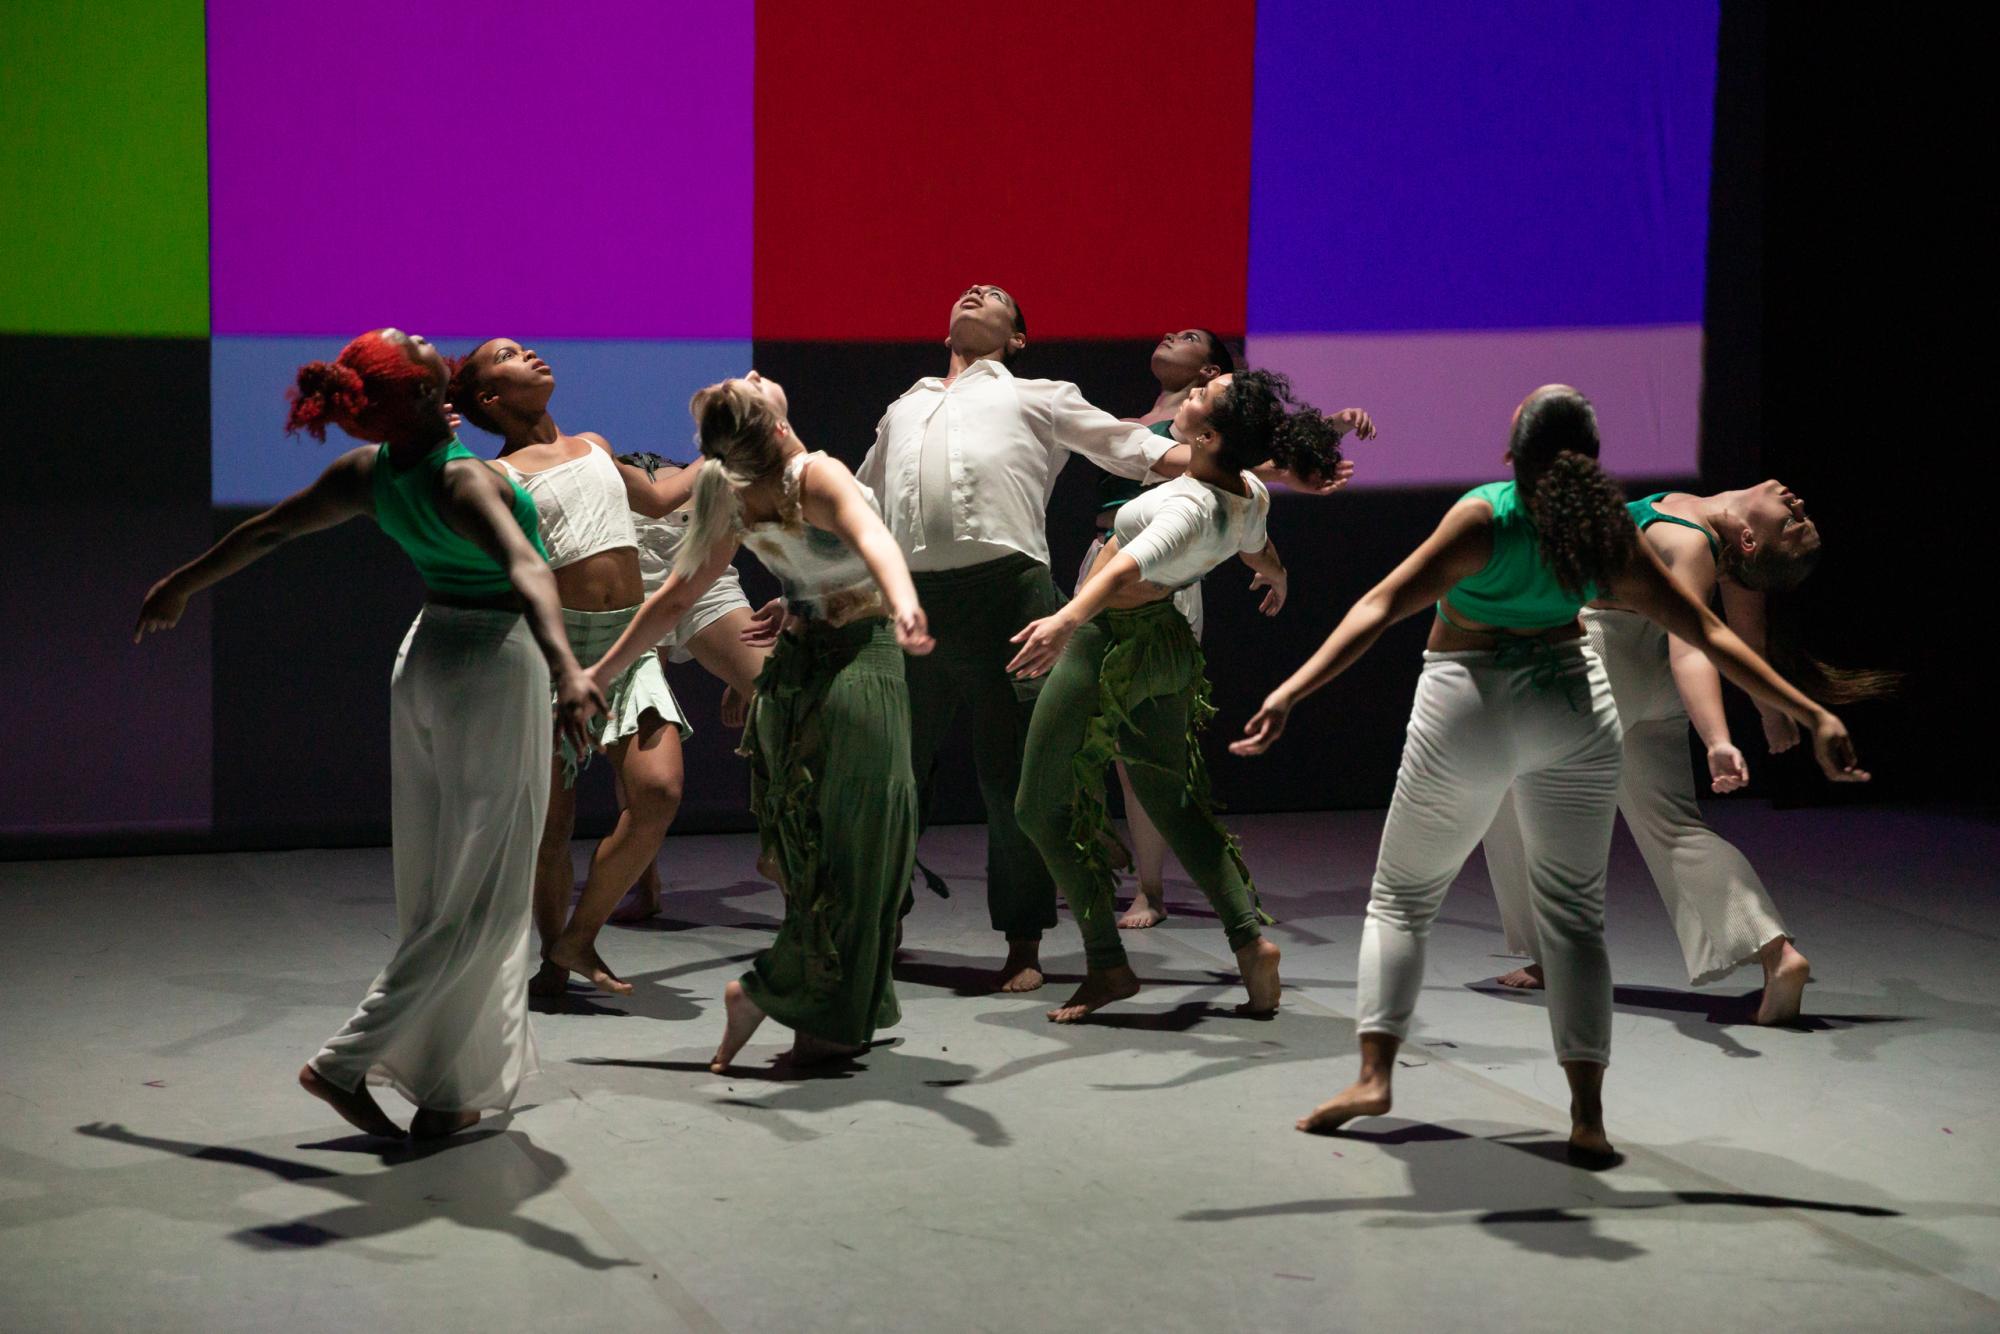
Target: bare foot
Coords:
[[550, 982], [643, 902], [358, 1108], [1149, 908], [1523, 979], [427, 1124], [1023, 969], [809, 1050], [1786, 972], [740, 1019], [1099, 989], [1590, 1148], [1259, 963], [584, 962], [1365, 1098]]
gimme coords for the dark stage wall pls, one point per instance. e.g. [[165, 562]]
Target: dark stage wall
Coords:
[[1844, 262]]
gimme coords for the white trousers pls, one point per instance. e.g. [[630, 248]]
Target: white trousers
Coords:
[[1547, 728], [1720, 909], [446, 1022]]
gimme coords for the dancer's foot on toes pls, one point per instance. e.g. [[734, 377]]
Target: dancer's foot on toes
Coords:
[[427, 1124], [358, 1108], [1149, 908], [1023, 969], [1523, 979], [1099, 989], [740, 1019], [550, 982], [1362, 1099], [1786, 972], [585, 963], [1259, 963], [809, 1050]]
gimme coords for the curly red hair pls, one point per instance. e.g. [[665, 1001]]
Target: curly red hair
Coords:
[[348, 391]]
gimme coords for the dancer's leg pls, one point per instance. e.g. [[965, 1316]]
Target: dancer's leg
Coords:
[[720, 649], [1149, 857], [1507, 870], [555, 880]]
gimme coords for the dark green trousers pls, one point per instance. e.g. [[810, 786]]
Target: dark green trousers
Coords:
[[973, 614]]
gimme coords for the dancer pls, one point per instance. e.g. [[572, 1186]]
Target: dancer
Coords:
[[1512, 694], [964, 464], [1129, 682], [711, 633], [586, 500], [1181, 362], [445, 1023], [829, 728], [1740, 544]]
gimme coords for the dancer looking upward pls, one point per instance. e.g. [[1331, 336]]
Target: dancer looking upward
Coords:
[[445, 1023], [1128, 681], [1512, 695], [1740, 545], [831, 786], [586, 498], [963, 465]]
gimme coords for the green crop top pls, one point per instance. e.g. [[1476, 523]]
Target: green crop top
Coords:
[[406, 509], [1646, 515], [1515, 590], [1113, 490]]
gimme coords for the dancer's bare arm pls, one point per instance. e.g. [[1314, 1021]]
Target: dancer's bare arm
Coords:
[[1686, 555], [656, 496], [661, 612], [340, 493], [1043, 639], [830, 499], [1460, 547], [1744, 610]]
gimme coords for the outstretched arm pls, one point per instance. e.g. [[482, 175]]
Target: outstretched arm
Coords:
[[657, 495], [1744, 610], [829, 499], [1042, 640], [661, 612], [1460, 547], [339, 494]]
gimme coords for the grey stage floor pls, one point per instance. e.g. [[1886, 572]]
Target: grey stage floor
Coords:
[[987, 1170]]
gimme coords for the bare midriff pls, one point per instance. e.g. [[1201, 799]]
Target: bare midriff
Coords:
[[605, 581]]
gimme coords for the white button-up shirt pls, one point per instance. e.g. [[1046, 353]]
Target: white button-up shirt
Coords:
[[1008, 439]]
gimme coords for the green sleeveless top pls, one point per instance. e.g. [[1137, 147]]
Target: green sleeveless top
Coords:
[[1113, 490], [1515, 589], [1646, 515], [406, 509]]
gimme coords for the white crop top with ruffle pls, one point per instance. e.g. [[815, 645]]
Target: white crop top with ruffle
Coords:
[[582, 505]]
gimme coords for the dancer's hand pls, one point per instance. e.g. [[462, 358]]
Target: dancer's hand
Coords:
[[1727, 769], [1042, 642], [1355, 420], [765, 623], [1324, 485], [1781, 733], [1834, 750], [578, 699], [735, 708], [913, 632], [161, 610], [1265, 726], [1276, 588], [452, 419]]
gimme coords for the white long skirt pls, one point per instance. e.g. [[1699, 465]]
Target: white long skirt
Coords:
[[446, 1022]]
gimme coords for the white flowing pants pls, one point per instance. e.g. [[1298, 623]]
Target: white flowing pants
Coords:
[[446, 1022], [1720, 909], [1548, 729]]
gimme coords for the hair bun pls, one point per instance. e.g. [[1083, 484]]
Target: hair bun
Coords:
[[325, 393]]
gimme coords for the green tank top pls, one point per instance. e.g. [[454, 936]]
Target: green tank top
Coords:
[[406, 509], [1515, 589], [1645, 514], [1113, 490]]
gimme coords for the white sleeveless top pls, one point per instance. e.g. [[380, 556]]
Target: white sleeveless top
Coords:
[[824, 579], [582, 506]]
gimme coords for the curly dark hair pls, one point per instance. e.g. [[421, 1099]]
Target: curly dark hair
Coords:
[[1586, 535], [1261, 420]]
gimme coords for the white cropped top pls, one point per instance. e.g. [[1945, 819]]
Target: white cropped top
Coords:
[[824, 579], [582, 506], [1180, 530]]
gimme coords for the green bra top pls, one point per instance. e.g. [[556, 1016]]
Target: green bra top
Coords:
[[1113, 490], [406, 509], [1515, 590], [1645, 514]]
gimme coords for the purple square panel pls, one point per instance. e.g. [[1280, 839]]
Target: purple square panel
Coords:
[[582, 169]]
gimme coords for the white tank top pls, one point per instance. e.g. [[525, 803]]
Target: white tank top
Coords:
[[582, 506], [823, 578]]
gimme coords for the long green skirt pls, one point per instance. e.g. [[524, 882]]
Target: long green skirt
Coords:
[[836, 807]]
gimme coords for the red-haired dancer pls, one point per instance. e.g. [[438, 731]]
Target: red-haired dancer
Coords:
[[446, 1022]]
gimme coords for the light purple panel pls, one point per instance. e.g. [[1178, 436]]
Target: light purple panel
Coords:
[[582, 168], [1442, 401]]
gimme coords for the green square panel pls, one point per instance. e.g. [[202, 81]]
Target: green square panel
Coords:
[[104, 168]]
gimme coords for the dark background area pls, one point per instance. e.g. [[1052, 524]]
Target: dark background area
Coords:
[[1848, 352]]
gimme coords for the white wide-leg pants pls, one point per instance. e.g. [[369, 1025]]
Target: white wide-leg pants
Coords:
[[1720, 909], [1547, 728], [446, 1022]]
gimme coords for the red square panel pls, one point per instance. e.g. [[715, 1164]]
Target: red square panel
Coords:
[[1094, 159]]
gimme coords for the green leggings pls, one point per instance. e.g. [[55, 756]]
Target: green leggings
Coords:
[[1129, 687]]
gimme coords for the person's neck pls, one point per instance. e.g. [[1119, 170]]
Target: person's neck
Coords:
[[1719, 513], [405, 450], [1168, 403], [1205, 467], [960, 359], [541, 431]]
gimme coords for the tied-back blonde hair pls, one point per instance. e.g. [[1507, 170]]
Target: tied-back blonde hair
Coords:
[[738, 434]]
